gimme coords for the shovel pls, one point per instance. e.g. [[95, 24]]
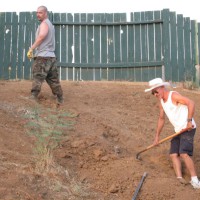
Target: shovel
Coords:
[[161, 141]]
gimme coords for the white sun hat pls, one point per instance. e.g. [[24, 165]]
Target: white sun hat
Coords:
[[157, 82]]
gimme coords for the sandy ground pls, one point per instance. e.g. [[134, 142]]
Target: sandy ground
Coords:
[[103, 126]]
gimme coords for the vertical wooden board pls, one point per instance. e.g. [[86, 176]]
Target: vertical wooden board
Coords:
[[151, 36], [131, 41], [104, 49], [63, 47], [77, 38], [124, 38], [97, 44], [137, 47], [144, 48], [70, 42], [104, 74], [70, 46], [124, 46], [104, 43], [110, 39], [137, 74], [173, 47], [137, 17], [83, 49], [130, 76], [118, 74], [7, 49], [166, 43], [131, 73], [188, 67], [21, 45], [83, 74], [97, 18], [63, 38], [151, 43], [158, 71], [198, 42], [56, 18], [77, 71], [70, 73], [28, 33], [130, 47], [90, 48], [158, 42], [77, 49], [110, 42], [14, 46], [96, 74], [83, 40], [180, 33], [35, 23], [2, 36], [90, 39], [158, 37], [88, 74], [116, 40], [193, 47], [50, 16]]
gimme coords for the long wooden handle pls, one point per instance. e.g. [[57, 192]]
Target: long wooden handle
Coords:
[[161, 141]]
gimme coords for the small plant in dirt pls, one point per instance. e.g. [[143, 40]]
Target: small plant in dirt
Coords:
[[47, 126]]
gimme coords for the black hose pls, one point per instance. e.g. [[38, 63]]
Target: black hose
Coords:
[[139, 186]]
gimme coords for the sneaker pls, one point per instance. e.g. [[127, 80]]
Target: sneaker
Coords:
[[182, 181], [60, 100], [196, 185]]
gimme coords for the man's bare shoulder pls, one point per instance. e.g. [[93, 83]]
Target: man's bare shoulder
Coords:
[[179, 98]]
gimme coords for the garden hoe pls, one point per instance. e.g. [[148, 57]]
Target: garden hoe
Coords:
[[161, 141]]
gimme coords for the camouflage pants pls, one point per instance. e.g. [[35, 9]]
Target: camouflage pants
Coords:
[[45, 68]]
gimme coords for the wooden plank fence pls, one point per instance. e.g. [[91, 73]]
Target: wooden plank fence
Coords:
[[106, 46]]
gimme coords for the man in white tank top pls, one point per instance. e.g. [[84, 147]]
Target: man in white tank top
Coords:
[[180, 111]]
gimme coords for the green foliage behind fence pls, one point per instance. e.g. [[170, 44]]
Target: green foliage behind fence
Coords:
[[106, 46]]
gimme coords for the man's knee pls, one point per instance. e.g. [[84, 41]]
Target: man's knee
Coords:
[[174, 156], [184, 155]]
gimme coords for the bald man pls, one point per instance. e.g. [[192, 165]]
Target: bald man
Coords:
[[45, 65]]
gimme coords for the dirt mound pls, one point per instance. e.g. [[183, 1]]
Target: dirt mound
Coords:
[[86, 148]]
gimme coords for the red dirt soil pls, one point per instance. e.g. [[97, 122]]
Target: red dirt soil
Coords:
[[95, 159]]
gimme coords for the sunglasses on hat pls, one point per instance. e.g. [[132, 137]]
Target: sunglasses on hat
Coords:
[[153, 92]]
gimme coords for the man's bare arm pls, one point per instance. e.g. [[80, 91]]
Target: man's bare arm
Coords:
[[42, 35]]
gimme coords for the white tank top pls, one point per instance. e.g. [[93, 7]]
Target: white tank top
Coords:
[[177, 114]]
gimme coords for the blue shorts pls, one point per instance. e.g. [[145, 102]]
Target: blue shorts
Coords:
[[183, 143]]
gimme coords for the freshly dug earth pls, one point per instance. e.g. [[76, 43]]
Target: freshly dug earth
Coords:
[[103, 125]]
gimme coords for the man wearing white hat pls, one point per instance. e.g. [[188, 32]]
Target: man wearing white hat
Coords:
[[180, 111]]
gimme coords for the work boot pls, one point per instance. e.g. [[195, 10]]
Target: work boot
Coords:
[[60, 99], [33, 97], [54, 96]]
